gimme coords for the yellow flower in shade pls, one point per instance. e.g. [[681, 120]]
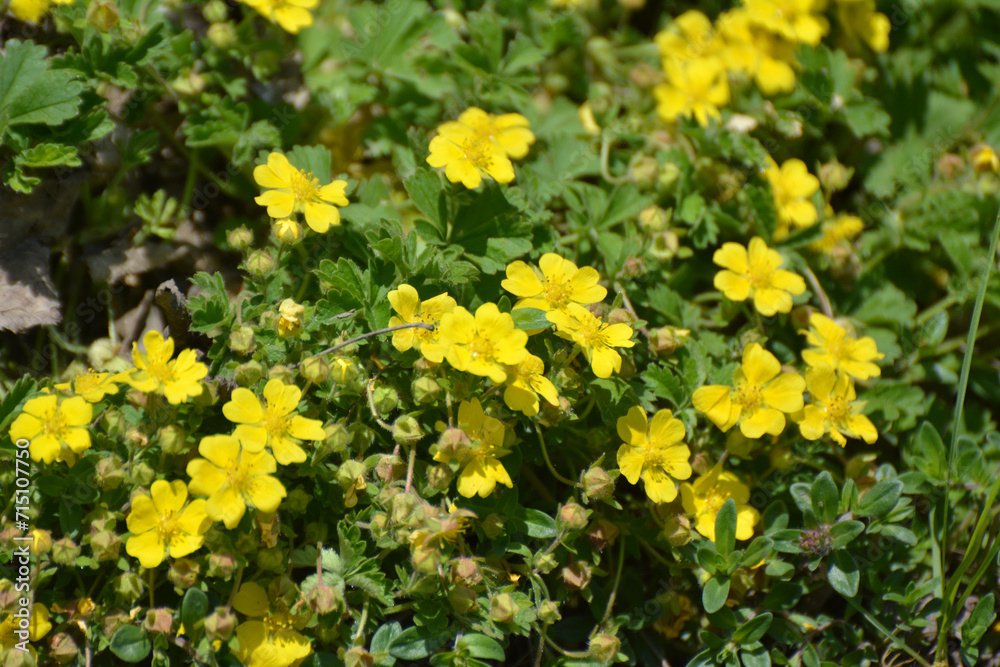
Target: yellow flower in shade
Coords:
[[984, 159], [760, 395], [799, 21], [273, 424], [154, 371], [509, 130], [595, 337], [38, 626], [525, 383], [792, 185], [57, 429], [233, 478], [291, 15], [440, 528], [695, 88], [468, 154], [859, 18], [162, 526], [271, 637], [835, 346], [678, 611], [290, 318], [33, 10], [557, 284], [410, 309], [480, 461], [293, 190], [92, 386], [484, 344], [748, 48], [653, 451], [754, 273], [705, 497], [834, 409]]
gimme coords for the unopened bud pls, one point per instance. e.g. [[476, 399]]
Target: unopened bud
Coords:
[[183, 573], [357, 656], [296, 501], [324, 599], [291, 318], [667, 340], [406, 430], [315, 369], [466, 570], [677, 530], [249, 373], [577, 575], [620, 316], [425, 390], [239, 238], [63, 648], [835, 176], [221, 565], [287, 231], [259, 263], [220, 624], [645, 75], [462, 598], [545, 563], [426, 561], [439, 477], [128, 585], [109, 472], [222, 35], [602, 533], [386, 399], [984, 159], [654, 218], [173, 440], [493, 526], [215, 11], [65, 551], [242, 340], [158, 620], [782, 458], [283, 373], [604, 647], [503, 609], [452, 444], [644, 171], [337, 437], [141, 474], [102, 15], [389, 468], [573, 516], [548, 612]]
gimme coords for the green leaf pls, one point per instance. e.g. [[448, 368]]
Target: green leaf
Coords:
[[480, 646], [725, 527], [843, 574], [715, 593], [844, 532], [530, 319], [979, 621], [521, 54], [824, 498], [30, 92], [427, 194], [130, 644], [758, 550], [210, 309], [926, 452], [765, 215], [21, 390], [758, 657], [194, 607], [880, 499], [665, 384], [535, 523], [312, 159], [753, 630], [415, 643], [887, 305], [48, 155]]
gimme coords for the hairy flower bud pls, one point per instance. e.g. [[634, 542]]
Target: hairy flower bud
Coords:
[[573, 516], [221, 565], [602, 533], [239, 238], [109, 473], [65, 551], [287, 231], [315, 369], [357, 656], [102, 15], [548, 612], [128, 585], [604, 647], [577, 575], [283, 373], [386, 399], [183, 573], [242, 341], [259, 263], [668, 340], [173, 440], [462, 598], [503, 608], [158, 620], [406, 430], [493, 526], [425, 390], [466, 570], [220, 624]]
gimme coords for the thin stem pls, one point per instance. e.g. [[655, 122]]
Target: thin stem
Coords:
[[548, 462], [371, 334], [409, 466], [605, 173], [618, 580], [896, 641], [824, 300]]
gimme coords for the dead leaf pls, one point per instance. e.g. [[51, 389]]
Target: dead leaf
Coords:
[[27, 297]]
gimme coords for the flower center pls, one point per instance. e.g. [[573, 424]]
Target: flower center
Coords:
[[715, 499], [748, 396], [55, 423], [237, 475], [556, 292], [481, 347], [837, 347], [275, 422], [304, 186], [278, 623], [168, 525], [591, 331], [758, 279], [837, 408], [159, 368], [87, 382], [478, 151]]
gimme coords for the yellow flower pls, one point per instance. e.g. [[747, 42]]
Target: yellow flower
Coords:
[[556, 285], [469, 154], [792, 185], [525, 383], [290, 320], [509, 130], [694, 88], [835, 346], [706, 496], [287, 231], [653, 451], [586, 115], [38, 626], [756, 274], [595, 337], [162, 526], [483, 344], [178, 380], [758, 397], [57, 429], [984, 158], [275, 424], [272, 638], [797, 21], [233, 478], [688, 37], [748, 48], [858, 17], [679, 610], [33, 10], [833, 409], [92, 386], [293, 190], [835, 230], [291, 15], [481, 467], [410, 309]]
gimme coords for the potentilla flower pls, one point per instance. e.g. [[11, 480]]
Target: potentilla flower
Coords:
[[57, 429], [291, 15], [554, 285], [835, 346], [748, 48], [233, 478], [293, 190], [793, 186], [287, 231], [409, 310], [38, 626], [595, 337], [688, 37], [154, 371], [705, 497], [799, 21], [271, 638], [653, 451], [755, 274], [859, 18], [758, 399], [162, 526], [274, 424], [984, 159], [484, 344], [525, 383], [33, 10], [836, 230], [468, 155], [290, 318], [695, 88], [480, 461], [833, 409], [92, 386], [509, 130]]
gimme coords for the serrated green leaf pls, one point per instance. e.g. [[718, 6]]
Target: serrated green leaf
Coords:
[[30, 92], [48, 155]]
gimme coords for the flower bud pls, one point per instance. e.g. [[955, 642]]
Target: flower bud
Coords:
[[315, 369], [644, 171], [158, 620], [645, 75], [349, 472], [221, 565], [357, 656], [389, 468], [602, 533], [654, 218], [950, 165], [782, 458], [984, 159], [292, 315], [259, 263], [620, 316], [105, 545], [668, 340], [386, 400], [222, 35], [577, 575], [63, 648], [324, 599], [425, 390], [41, 542], [503, 608], [239, 238], [109, 473], [439, 478], [426, 561], [249, 373], [283, 373], [129, 586], [466, 570], [215, 11], [669, 173], [65, 551], [296, 502], [665, 246], [835, 176], [462, 598], [586, 116], [242, 341], [141, 474], [493, 526], [337, 437], [173, 440], [220, 624], [545, 563], [183, 573], [344, 372], [548, 612], [102, 15], [604, 647], [272, 560], [452, 444], [287, 231], [573, 516], [406, 430]]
